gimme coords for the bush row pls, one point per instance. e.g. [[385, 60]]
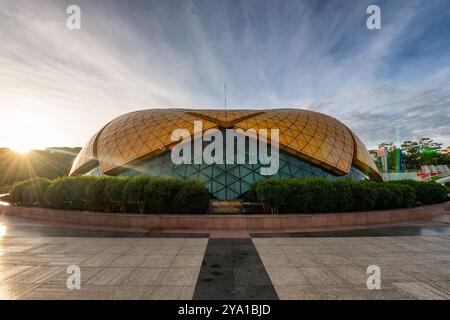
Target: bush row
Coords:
[[124, 194], [29, 192], [321, 195], [426, 192], [160, 195], [447, 185]]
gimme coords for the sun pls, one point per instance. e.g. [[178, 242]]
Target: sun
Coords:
[[21, 146], [20, 150]]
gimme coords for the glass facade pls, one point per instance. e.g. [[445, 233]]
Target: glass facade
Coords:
[[230, 181]]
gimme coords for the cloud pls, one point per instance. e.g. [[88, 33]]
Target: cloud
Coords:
[[130, 55]]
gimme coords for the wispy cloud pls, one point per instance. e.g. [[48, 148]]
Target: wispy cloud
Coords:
[[386, 85]]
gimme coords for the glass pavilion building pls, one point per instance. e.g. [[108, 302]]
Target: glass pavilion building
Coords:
[[311, 144]]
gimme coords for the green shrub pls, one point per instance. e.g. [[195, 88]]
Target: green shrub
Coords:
[[192, 197], [272, 193], [160, 194], [134, 191], [297, 195], [114, 195], [447, 185], [322, 195], [69, 193], [344, 195], [96, 198], [426, 192], [29, 192], [431, 192], [408, 196]]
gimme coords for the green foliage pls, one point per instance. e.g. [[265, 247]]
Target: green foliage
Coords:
[[192, 197], [321, 195], [29, 192], [426, 192], [160, 194], [415, 153], [95, 194], [68, 193], [447, 185], [297, 195], [114, 197], [134, 191], [137, 194]]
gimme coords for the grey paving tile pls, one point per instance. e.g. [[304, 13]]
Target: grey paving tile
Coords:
[[276, 260], [320, 275], [13, 271], [185, 260], [98, 260], [36, 274], [110, 276], [59, 292], [286, 277], [352, 275], [60, 278], [422, 291], [348, 292], [302, 260], [158, 261], [269, 249], [297, 292], [13, 291], [145, 277], [131, 293], [127, 261], [171, 293], [185, 277], [192, 250], [333, 260], [443, 287], [116, 249]]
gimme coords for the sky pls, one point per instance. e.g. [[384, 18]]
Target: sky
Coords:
[[59, 86]]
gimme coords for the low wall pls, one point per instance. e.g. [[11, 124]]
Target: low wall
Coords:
[[162, 222]]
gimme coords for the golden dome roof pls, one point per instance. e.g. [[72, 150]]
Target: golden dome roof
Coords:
[[140, 135]]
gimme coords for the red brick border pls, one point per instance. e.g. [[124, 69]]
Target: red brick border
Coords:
[[164, 222]]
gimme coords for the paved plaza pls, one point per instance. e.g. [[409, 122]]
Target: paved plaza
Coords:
[[414, 262]]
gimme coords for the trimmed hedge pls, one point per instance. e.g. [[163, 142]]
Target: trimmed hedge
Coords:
[[124, 194], [114, 197], [29, 192], [168, 195], [193, 196], [426, 192], [447, 185], [69, 193], [322, 195], [134, 192]]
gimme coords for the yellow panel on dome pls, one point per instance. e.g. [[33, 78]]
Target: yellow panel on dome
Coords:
[[225, 119], [141, 134], [86, 159], [313, 136], [363, 160]]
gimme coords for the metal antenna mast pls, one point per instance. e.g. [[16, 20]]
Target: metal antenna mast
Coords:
[[225, 102]]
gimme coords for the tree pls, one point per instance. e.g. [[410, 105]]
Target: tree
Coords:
[[412, 154]]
